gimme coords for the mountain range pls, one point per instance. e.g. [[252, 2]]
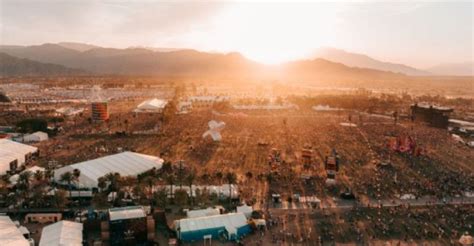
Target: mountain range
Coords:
[[78, 58], [13, 66]]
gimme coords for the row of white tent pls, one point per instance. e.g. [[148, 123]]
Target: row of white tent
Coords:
[[57, 234], [221, 190]]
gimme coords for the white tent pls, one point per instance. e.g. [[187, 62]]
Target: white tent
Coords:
[[10, 234], [245, 209], [62, 233], [13, 179], [231, 222], [126, 213], [151, 106], [35, 137], [11, 151], [222, 190], [202, 212], [324, 108], [125, 163], [69, 111]]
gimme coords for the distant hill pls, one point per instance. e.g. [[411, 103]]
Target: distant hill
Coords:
[[363, 61], [13, 66], [190, 63], [321, 69], [454, 69], [77, 46]]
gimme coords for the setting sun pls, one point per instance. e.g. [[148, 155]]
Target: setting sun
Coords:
[[273, 34]]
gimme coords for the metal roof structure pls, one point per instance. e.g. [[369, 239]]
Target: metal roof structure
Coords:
[[62, 233], [152, 105], [10, 234], [11, 151], [230, 221], [125, 163], [126, 213]]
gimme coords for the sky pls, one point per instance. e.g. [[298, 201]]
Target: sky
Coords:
[[420, 34]]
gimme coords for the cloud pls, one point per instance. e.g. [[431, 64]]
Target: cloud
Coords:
[[109, 22]]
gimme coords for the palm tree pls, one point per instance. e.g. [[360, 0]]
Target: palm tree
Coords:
[[48, 174], [170, 180], [231, 178], [113, 179], [190, 180], [39, 176], [219, 177], [68, 178], [76, 173], [205, 178], [150, 182], [101, 183], [24, 183]]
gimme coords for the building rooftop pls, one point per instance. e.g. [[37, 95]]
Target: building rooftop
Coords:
[[10, 234], [427, 106], [125, 213]]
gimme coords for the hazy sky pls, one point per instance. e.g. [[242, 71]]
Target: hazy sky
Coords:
[[420, 34]]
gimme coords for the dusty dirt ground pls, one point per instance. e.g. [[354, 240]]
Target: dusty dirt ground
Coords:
[[446, 169]]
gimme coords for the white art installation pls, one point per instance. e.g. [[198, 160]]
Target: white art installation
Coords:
[[214, 131]]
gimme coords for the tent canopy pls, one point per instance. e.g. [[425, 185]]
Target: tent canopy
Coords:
[[152, 105], [62, 233], [35, 137], [11, 151], [123, 213], [125, 163], [10, 234], [232, 220], [202, 212]]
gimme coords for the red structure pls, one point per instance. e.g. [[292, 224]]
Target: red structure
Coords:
[[100, 111]]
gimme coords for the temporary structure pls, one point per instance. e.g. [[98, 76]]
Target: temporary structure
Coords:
[[220, 190], [126, 213], [13, 154], [10, 234], [13, 179], [245, 209], [34, 137], [202, 212], [62, 233], [231, 226], [151, 106], [125, 163]]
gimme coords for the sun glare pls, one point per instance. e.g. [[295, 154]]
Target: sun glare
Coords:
[[275, 33]]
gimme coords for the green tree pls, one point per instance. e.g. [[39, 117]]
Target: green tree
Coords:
[[170, 180], [190, 181], [23, 183], [161, 198], [231, 178], [60, 199], [181, 197], [32, 125], [67, 178]]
